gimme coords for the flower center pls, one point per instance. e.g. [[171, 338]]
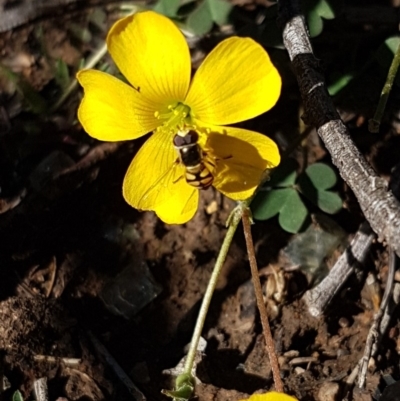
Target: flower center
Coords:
[[175, 119]]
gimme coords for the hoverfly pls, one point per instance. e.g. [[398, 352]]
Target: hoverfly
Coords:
[[198, 169], [193, 165]]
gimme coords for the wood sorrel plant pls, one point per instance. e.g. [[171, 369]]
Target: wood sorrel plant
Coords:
[[153, 55]]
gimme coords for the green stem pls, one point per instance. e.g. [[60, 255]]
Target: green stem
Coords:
[[233, 223], [376, 121]]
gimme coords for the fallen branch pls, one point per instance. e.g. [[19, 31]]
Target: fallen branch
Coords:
[[318, 298], [378, 204]]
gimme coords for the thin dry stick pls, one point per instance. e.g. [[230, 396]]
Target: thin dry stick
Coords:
[[319, 297], [270, 345], [374, 334]]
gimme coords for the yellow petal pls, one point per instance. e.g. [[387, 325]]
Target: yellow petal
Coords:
[[155, 181], [242, 157], [112, 110], [152, 54], [271, 396], [237, 81]]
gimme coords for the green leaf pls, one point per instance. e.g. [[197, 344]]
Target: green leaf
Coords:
[[317, 10], [184, 387], [17, 396], [167, 7], [284, 175], [200, 20], [269, 203], [392, 44], [339, 84], [325, 9], [62, 74], [313, 184], [293, 214], [386, 51], [82, 34], [98, 17], [385, 55], [33, 100], [329, 202], [220, 10], [321, 175], [315, 23]]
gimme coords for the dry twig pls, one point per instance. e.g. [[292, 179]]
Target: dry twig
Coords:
[[379, 206], [375, 332], [320, 296], [270, 345]]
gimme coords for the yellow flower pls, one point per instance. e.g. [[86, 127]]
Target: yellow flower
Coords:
[[237, 81], [271, 396]]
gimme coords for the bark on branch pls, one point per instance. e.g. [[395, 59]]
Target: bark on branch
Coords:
[[378, 204]]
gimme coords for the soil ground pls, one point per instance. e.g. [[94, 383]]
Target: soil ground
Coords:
[[78, 263]]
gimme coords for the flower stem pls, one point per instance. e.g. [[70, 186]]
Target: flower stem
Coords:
[[246, 221], [241, 212], [375, 122], [233, 222]]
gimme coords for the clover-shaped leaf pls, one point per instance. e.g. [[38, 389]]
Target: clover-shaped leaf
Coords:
[[329, 202], [220, 10], [269, 203], [281, 195], [17, 396], [293, 214], [201, 20], [315, 182], [167, 7], [316, 11], [284, 175], [321, 176], [285, 201]]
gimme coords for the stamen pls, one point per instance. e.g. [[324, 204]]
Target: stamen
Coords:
[[176, 117]]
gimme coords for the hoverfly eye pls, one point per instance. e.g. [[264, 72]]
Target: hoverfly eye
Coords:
[[179, 141], [189, 139]]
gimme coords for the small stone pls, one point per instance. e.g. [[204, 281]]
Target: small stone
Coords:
[[397, 276], [299, 370], [283, 363], [281, 360], [291, 354], [371, 364], [342, 352], [212, 207], [326, 370], [328, 392]]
